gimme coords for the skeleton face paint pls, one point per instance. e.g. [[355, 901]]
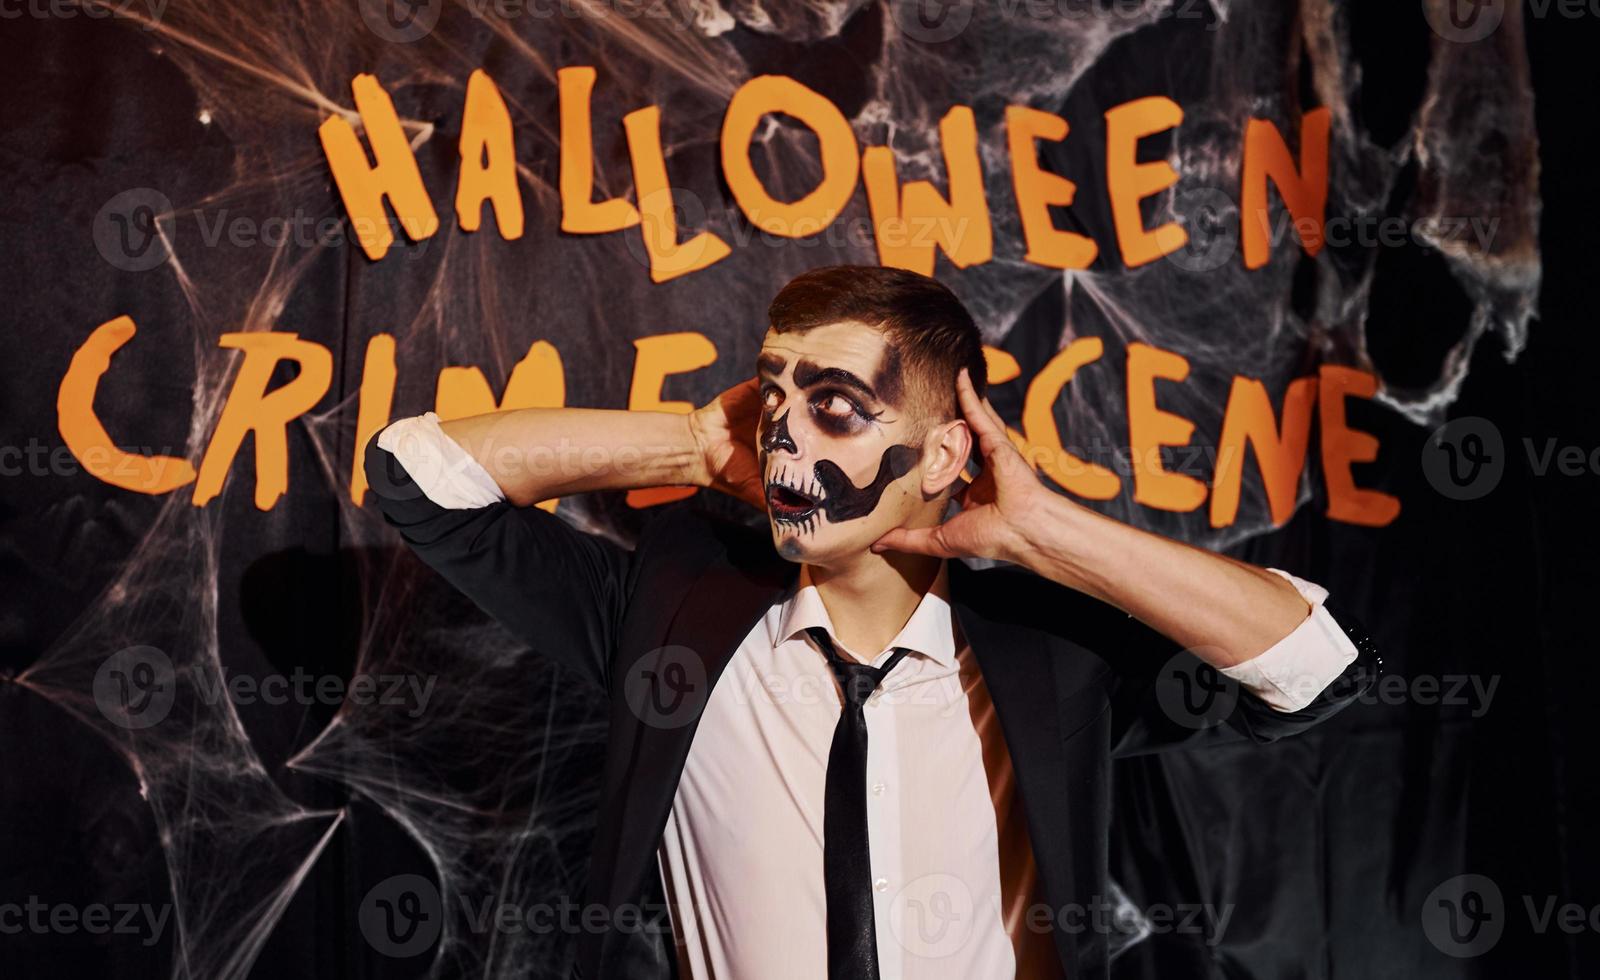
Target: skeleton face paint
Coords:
[[832, 444], [843, 501], [776, 436], [829, 490]]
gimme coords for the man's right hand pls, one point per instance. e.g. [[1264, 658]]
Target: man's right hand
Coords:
[[725, 434]]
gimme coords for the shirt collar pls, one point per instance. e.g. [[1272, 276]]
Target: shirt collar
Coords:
[[930, 631]]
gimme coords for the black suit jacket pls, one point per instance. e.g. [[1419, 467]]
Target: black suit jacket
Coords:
[[1072, 679]]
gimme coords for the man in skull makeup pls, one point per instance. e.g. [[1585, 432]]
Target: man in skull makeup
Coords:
[[835, 748], [838, 414]]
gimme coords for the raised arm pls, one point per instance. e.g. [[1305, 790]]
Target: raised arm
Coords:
[[451, 490], [535, 454], [1263, 628]]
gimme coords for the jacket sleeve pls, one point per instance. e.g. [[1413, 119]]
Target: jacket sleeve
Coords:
[[1166, 697], [558, 589], [1159, 695]]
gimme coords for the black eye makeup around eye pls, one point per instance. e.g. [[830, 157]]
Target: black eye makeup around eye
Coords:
[[855, 417]]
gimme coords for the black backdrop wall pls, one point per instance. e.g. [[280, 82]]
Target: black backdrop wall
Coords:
[[253, 829]]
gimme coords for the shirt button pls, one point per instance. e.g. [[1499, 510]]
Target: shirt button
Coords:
[[881, 884], [877, 789]]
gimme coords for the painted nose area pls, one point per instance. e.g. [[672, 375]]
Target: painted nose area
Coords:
[[777, 436]]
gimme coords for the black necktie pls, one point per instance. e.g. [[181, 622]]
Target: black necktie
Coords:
[[846, 859]]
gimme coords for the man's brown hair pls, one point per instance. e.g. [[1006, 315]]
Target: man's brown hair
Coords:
[[923, 322]]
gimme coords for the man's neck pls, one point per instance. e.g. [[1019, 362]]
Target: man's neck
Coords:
[[870, 599]]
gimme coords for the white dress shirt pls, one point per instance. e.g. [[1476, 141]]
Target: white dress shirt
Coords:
[[952, 869]]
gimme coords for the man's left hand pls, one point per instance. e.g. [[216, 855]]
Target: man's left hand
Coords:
[[994, 507]]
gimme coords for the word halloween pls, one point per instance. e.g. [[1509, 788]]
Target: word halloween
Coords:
[[909, 222]]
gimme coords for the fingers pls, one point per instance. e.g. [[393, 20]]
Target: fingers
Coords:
[[981, 417], [971, 407], [914, 541], [999, 423]]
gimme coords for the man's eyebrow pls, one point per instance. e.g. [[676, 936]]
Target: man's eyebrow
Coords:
[[807, 373], [770, 363]]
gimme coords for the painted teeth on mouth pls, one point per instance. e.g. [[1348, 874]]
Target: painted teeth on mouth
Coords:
[[806, 489]]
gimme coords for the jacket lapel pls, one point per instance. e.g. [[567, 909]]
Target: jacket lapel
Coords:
[[739, 577]]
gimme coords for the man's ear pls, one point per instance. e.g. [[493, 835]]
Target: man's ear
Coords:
[[945, 449]]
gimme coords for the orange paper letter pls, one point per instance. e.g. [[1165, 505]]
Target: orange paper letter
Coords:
[[364, 186]]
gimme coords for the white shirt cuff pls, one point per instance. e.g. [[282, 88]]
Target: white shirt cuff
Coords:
[[444, 472], [1292, 672]]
